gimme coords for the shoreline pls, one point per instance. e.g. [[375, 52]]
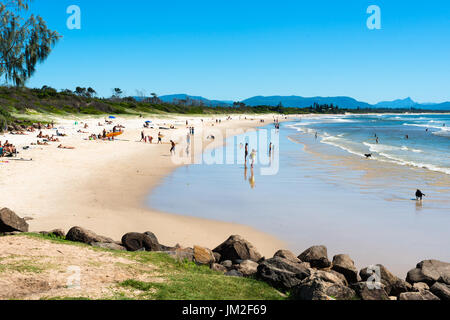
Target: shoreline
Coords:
[[106, 192]]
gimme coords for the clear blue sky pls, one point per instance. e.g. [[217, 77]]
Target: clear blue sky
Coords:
[[232, 49]]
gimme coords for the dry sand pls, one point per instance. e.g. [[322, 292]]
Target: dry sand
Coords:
[[102, 185]]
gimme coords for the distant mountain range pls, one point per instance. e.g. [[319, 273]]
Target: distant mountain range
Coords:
[[304, 102]]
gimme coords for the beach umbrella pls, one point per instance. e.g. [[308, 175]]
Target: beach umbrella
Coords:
[[111, 117], [148, 122]]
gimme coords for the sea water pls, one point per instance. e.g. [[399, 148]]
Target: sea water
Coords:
[[326, 191]]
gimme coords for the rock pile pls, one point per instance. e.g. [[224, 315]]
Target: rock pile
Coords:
[[308, 276]]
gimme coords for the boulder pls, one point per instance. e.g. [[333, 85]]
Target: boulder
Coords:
[[421, 295], [234, 273], [182, 254], [282, 273], [346, 266], [441, 290], [217, 256], [235, 247], [430, 271], [392, 284], [203, 256], [134, 241], [109, 246], [10, 222], [318, 289], [227, 264], [286, 254], [372, 291], [79, 234], [218, 267], [420, 286], [328, 276], [248, 268], [317, 256]]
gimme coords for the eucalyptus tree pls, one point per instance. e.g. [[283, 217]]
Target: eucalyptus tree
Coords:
[[25, 41]]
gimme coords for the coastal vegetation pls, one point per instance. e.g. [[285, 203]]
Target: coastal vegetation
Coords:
[[22, 103]]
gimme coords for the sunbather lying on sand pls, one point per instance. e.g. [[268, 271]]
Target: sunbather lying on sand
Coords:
[[65, 147]]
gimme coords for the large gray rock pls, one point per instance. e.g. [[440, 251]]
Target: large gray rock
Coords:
[[392, 284], [430, 271], [318, 289], [79, 234], [11, 222], [134, 241], [248, 268], [421, 295], [286, 254], [342, 263], [237, 248], [420, 286], [374, 291], [441, 290], [282, 273], [218, 267], [317, 256]]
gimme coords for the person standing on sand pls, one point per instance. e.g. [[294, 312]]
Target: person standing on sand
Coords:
[[159, 137], [142, 135]]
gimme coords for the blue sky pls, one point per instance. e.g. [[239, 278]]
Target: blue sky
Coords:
[[233, 50]]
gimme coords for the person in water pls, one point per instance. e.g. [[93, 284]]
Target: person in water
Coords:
[[246, 152], [253, 157], [419, 195]]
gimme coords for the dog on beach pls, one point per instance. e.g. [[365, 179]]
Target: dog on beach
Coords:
[[368, 155], [419, 195]]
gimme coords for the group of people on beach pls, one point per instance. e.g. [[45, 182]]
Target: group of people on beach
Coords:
[[7, 149]]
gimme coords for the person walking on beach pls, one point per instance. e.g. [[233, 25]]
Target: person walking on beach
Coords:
[[270, 149], [142, 136], [172, 149]]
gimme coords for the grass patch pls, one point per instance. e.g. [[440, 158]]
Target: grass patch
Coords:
[[174, 280]]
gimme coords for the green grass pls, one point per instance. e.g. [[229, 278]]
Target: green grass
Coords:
[[174, 280]]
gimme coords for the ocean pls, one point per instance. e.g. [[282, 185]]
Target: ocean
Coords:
[[412, 140], [325, 192]]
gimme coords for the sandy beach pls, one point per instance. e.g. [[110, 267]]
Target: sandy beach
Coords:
[[102, 185]]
